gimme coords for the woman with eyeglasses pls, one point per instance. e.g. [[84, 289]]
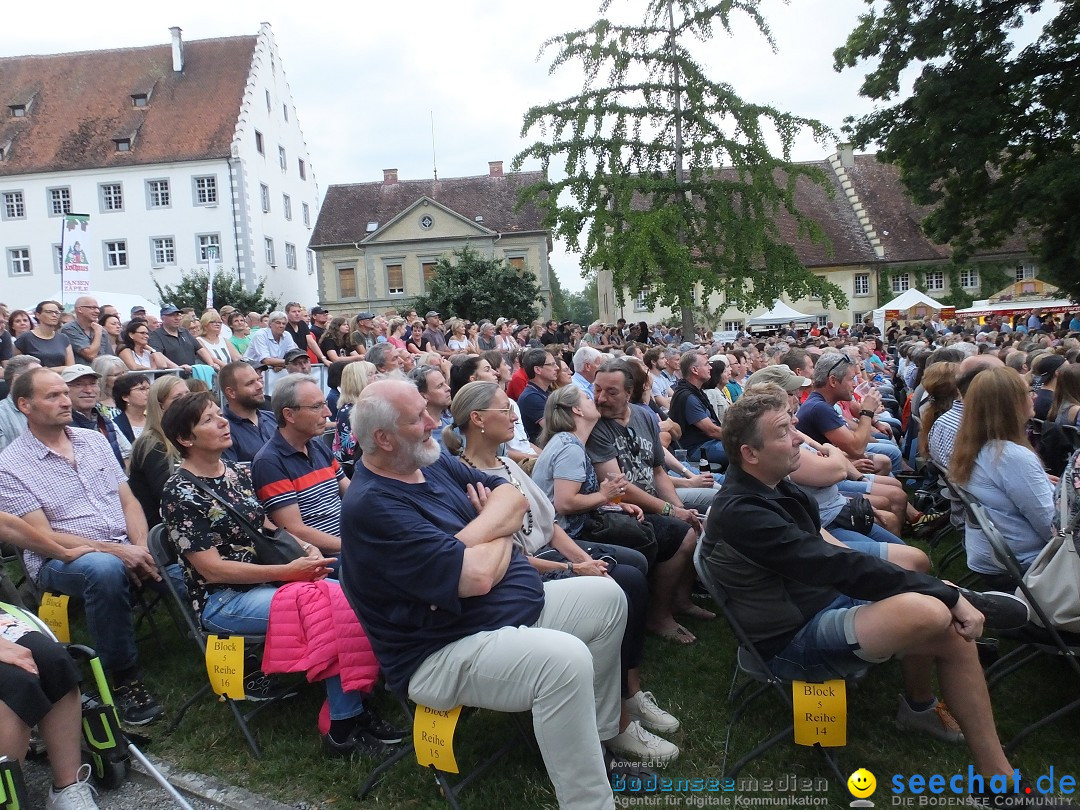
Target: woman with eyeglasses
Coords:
[[131, 393], [221, 351], [483, 420], [44, 341], [137, 353]]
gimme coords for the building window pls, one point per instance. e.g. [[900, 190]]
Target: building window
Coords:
[[395, 280], [157, 192], [290, 256], [18, 110], [346, 279], [206, 190], [286, 206], [857, 317], [163, 250], [59, 201], [733, 326], [269, 106], [935, 281], [303, 169], [259, 143], [285, 111], [268, 245], [116, 255], [310, 262], [14, 205], [265, 192], [640, 304], [19, 261], [58, 258], [307, 214], [122, 144], [207, 242], [428, 271], [282, 160], [1025, 272], [517, 263], [112, 197], [969, 278], [901, 282], [862, 284], [139, 100], [823, 320]]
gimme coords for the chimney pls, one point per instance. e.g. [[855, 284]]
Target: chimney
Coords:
[[177, 50], [847, 155], [495, 168], [389, 177]]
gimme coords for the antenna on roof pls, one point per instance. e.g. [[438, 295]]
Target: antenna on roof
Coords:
[[434, 164]]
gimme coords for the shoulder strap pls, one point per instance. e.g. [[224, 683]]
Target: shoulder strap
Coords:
[[199, 485]]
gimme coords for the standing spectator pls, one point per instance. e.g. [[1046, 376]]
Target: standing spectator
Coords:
[[395, 333], [269, 346], [240, 332], [336, 343], [458, 342], [45, 341], [137, 353], [365, 336], [84, 333], [319, 318], [486, 340], [176, 343], [18, 323], [301, 333], [112, 340], [221, 351]]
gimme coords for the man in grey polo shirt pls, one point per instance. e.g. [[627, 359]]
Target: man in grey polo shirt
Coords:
[[84, 332]]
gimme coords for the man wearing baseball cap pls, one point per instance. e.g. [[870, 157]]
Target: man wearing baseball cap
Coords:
[[433, 339], [82, 383], [176, 342]]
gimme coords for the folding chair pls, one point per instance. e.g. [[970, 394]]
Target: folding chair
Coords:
[[750, 663], [163, 557], [1035, 641], [450, 790]]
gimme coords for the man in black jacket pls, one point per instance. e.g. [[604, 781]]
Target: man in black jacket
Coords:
[[817, 610]]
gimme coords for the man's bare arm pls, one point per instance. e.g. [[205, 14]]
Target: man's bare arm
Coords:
[[502, 513], [22, 534]]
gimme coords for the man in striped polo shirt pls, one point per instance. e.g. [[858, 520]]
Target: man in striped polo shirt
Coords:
[[296, 476]]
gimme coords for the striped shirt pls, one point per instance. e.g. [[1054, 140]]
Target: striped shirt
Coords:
[[284, 476], [83, 499], [943, 434]]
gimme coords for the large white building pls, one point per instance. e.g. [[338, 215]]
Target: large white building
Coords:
[[171, 149]]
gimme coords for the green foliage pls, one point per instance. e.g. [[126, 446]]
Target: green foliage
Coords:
[[641, 148], [228, 291], [988, 135], [467, 285], [993, 277], [579, 307]]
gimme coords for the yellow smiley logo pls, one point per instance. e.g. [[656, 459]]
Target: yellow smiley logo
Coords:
[[862, 783]]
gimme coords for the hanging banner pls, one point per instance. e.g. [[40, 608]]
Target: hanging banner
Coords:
[[213, 265], [74, 259]]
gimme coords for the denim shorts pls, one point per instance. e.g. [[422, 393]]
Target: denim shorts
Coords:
[[826, 646]]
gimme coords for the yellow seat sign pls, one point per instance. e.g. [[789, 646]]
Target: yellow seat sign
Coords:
[[225, 665], [433, 737], [53, 610], [820, 713]]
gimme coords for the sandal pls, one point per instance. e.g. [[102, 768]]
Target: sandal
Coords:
[[677, 635], [696, 612]]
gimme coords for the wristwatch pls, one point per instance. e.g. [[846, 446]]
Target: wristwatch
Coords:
[[866, 413], [570, 567]]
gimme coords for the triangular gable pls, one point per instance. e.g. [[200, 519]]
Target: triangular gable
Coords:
[[405, 226]]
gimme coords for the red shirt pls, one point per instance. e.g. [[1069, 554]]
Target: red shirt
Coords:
[[517, 384]]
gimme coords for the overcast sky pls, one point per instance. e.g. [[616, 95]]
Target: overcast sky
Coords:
[[368, 77]]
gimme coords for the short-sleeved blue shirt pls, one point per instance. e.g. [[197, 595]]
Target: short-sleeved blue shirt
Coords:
[[817, 417], [531, 402], [248, 439], [284, 476], [401, 564]]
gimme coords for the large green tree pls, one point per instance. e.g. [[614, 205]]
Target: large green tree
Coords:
[[988, 134], [468, 285], [668, 173], [191, 292]]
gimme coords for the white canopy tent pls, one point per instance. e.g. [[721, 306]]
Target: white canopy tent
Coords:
[[779, 315], [907, 300], [122, 301]]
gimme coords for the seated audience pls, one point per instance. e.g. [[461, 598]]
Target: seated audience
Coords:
[[153, 459], [431, 382], [12, 421], [250, 424], [83, 390], [131, 393], [354, 378]]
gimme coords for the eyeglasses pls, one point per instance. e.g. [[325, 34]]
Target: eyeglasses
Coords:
[[87, 306], [318, 406], [505, 411], [141, 388], [140, 332], [49, 312]]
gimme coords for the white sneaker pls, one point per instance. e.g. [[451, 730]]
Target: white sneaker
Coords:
[[642, 707], [77, 796], [643, 746]]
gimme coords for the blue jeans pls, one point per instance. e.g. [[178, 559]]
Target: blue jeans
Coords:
[[826, 647], [887, 449], [248, 613], [875, 543], [100, 581]]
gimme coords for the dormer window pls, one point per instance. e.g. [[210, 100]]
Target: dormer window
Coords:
[[18, 110], [139, 100], [122, 144], [372, 227]]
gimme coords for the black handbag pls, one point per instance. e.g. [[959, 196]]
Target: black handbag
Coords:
[[857, 515], [279, 547], [616, 528]]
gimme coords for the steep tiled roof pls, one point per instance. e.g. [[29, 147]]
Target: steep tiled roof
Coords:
[[78, 103], [897, 219], [347, 209]]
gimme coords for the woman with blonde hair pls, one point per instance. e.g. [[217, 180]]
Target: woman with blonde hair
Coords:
[[456, 339], [354, 379], [110, 368], [222, 352], [483, 420], [939, 382], [153, 459], [994, 463]]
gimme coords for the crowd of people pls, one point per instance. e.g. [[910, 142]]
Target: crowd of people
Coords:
[[497, 513]]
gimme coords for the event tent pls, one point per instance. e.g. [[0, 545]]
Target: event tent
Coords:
[[122, 301], [907, 300], [779, 315]]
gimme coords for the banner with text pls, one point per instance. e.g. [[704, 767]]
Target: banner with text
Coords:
[[74, 260]]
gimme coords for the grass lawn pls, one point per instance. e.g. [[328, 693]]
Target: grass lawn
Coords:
[[692, 682]]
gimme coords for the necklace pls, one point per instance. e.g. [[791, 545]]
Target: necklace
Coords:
[[527, 526]]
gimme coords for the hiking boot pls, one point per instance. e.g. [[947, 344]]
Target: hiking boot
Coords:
[[136, 706], [76, 796], [1002, 611], [935, 721], [371, 723], [640, 745], [642, 707], [928, 522], [359, 742]]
